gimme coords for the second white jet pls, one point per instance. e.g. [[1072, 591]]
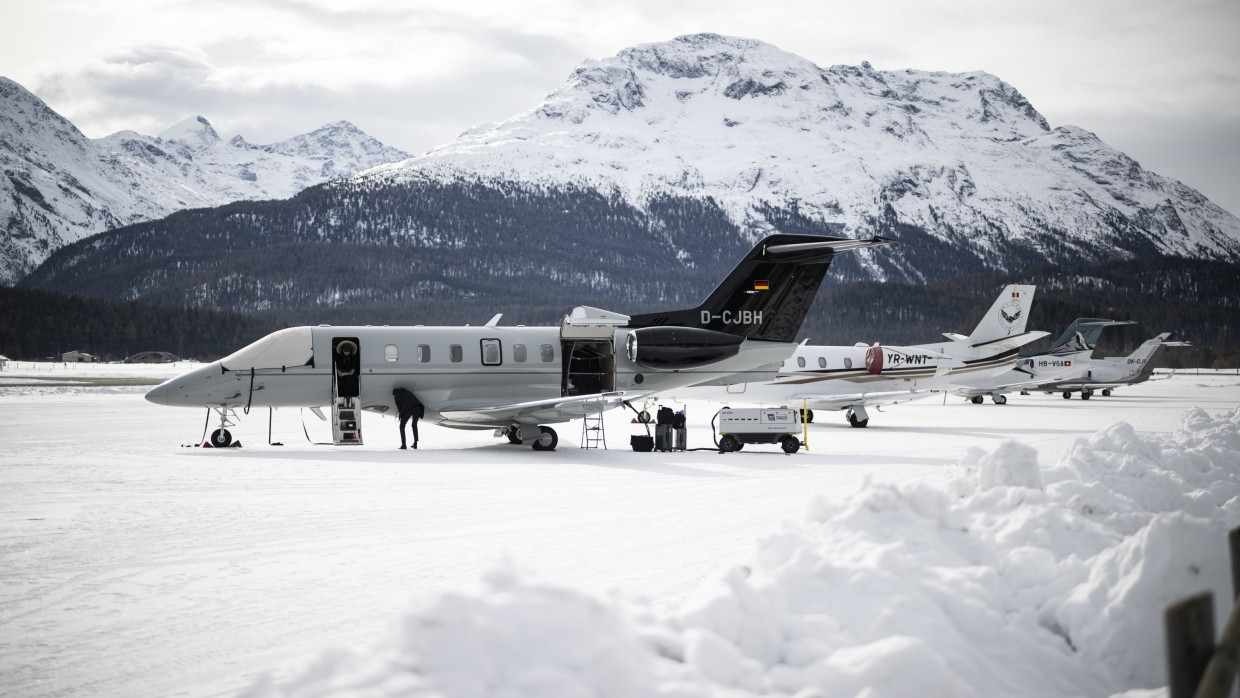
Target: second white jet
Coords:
[[854, 378]]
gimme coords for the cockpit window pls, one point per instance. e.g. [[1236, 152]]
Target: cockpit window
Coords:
[[288, 347]]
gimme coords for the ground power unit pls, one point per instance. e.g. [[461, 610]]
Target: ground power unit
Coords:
[[759, 425]]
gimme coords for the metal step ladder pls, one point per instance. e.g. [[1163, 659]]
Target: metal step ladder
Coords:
[[347, 421], [592, 431]]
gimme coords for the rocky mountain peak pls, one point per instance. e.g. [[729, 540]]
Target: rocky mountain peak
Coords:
[[60, 186], [196, 132]]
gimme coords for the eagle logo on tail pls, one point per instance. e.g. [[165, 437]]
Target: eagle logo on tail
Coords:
[[1009, 314]]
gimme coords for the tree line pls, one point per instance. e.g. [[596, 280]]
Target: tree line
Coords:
[[40, 325], [459, 251]]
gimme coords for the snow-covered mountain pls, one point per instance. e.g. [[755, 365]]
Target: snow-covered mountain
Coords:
[[954, 161], [60, 186]]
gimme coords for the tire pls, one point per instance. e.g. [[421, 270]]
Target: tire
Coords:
[[513, 438], [643, 417], [1106, 392], [790, 444], [807, 416], [1067, 395], [546, 440], [729, 444], [220, 438], [976, 399], [1086, 394], [857, 423], [1000, 399]]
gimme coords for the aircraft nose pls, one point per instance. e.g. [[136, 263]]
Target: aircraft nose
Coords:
[[159, 394]]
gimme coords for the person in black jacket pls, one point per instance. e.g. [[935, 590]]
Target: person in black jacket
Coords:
[[346, 369], [409, 408]]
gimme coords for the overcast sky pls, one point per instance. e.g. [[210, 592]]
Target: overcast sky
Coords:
[[1157, 79]]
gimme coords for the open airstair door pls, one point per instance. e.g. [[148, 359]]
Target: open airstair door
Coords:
[[588, 352], [346, 391]]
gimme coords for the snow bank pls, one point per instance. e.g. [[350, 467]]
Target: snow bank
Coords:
[[1014, 579]]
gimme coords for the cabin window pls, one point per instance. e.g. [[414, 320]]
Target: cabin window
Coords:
[[547, 353], [424, 353], [455, 353], [391, 353], [847, 362], [490, 352], [801, 362], [518, 353], [822, 362]]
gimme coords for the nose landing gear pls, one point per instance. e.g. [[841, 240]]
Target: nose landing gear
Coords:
[[221, 437]]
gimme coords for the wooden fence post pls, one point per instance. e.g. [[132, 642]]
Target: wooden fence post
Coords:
[[1189, 628]]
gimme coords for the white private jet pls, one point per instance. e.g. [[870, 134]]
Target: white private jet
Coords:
[[1059, 361], [853, 378], [1105, 374], [517, 380]]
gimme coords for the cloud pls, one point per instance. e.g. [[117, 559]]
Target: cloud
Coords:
[[412, 94]]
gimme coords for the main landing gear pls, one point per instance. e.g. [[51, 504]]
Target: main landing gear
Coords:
[[538, 437], [858, 418]]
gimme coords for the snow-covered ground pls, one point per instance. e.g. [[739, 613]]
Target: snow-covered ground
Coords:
[[948, 550]]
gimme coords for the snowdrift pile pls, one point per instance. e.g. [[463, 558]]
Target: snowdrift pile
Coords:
[[1015, 579]]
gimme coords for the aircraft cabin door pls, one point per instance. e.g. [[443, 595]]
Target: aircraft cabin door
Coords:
[[346, 391]]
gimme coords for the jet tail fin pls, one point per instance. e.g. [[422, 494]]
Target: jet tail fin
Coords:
[[769, 292], [1143, 355], [1007, 315], [1081, 335]]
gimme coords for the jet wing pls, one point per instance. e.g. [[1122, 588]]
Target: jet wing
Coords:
[[1077, 385], [560, 409], [871, 399], [971, 391]]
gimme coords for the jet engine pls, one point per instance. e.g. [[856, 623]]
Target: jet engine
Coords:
[[680, 347]]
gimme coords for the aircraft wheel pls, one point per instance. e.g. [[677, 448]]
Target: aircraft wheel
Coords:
[[976, 399], [1067, 395], [1106, 392], [547, 440], [220, 438], [643, 417], [1086, 394], [790, 444], [513, 436], [1000, 399], [807, 416], [857, 423], [729, 444]]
